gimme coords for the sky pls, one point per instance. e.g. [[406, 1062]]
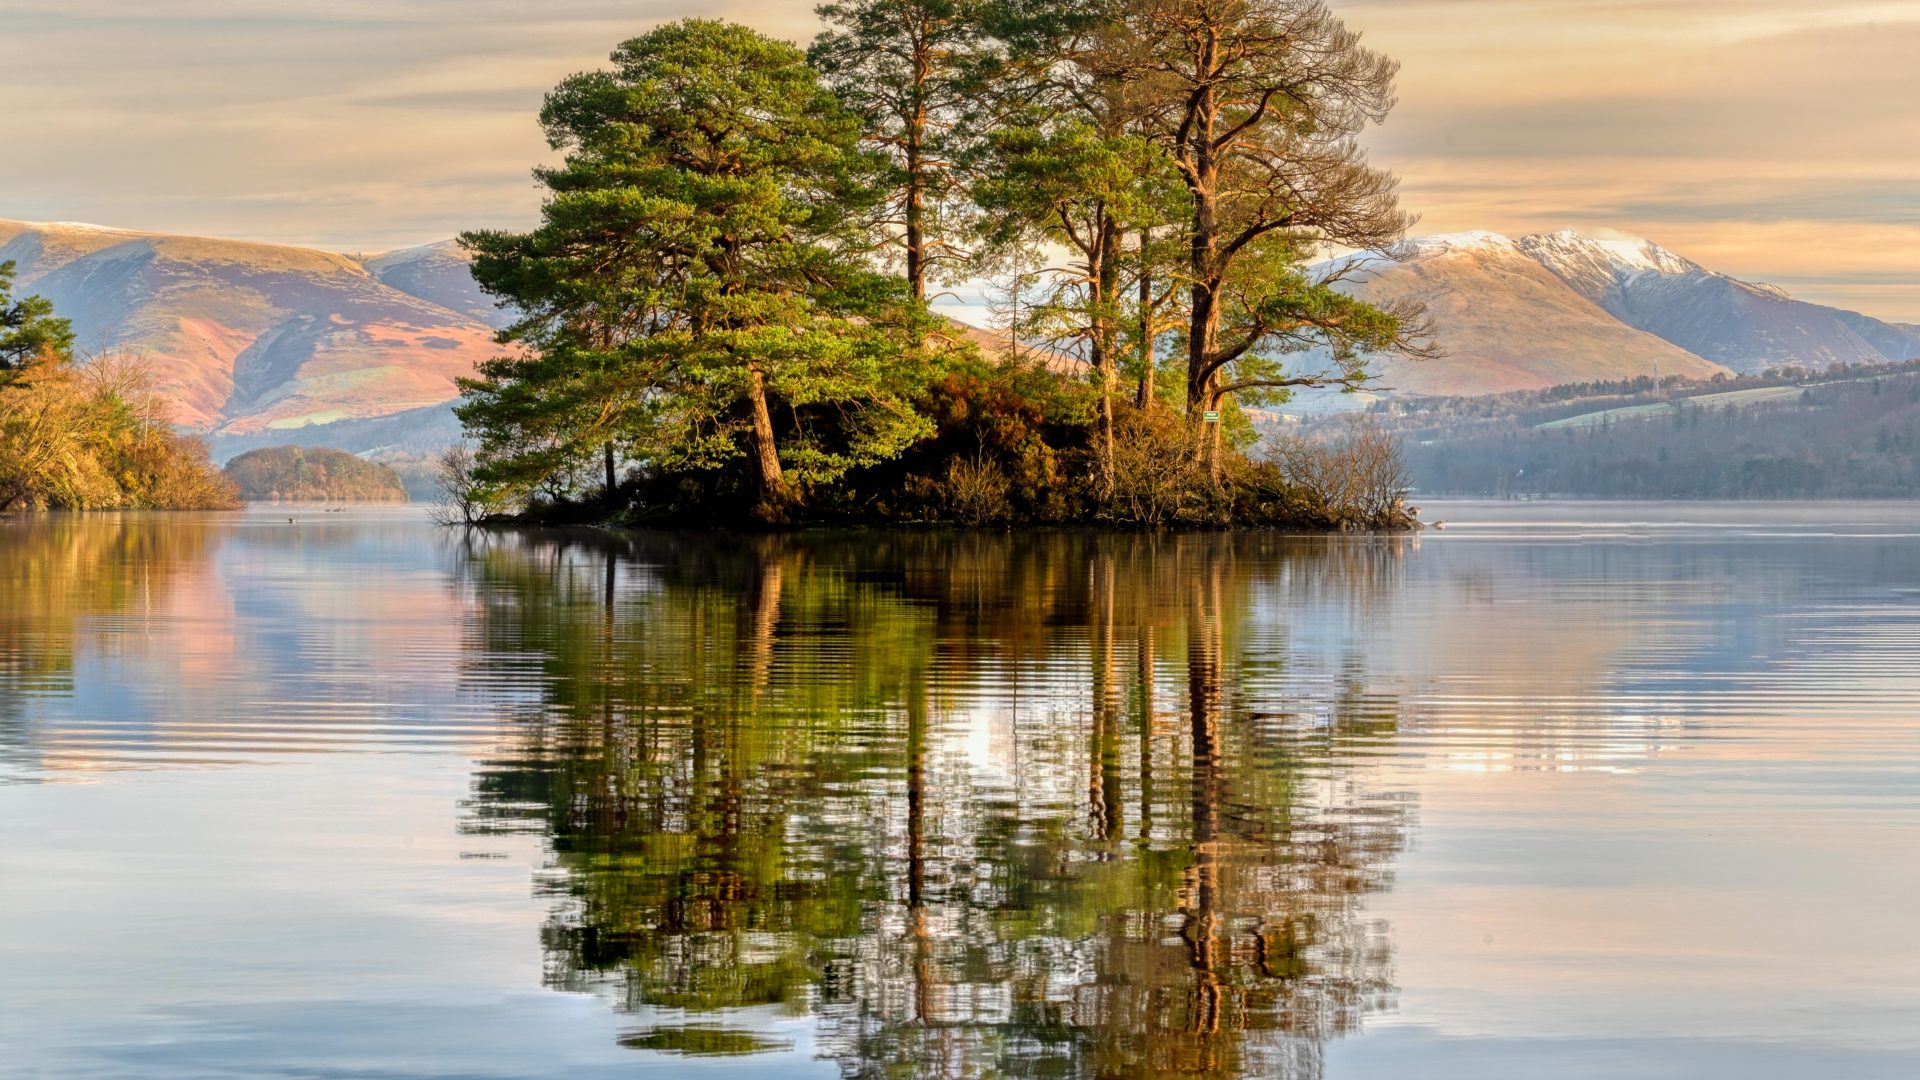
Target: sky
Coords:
[[1778, 140]]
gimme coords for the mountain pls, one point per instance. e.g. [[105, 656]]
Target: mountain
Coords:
[[1505, 321], [262, 345], [248, 338], [441, 274], [1746, 326]]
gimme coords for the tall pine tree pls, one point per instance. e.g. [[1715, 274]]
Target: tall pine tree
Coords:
[[906, 67], [697, 291]]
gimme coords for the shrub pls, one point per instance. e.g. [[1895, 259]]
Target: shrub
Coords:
[[96, 437], [976, 490], [1157, 480], [1359, 475]]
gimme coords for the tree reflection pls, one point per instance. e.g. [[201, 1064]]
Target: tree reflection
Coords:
[[58, 574], [980, 806]]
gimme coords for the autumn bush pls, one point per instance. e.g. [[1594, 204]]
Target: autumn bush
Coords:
[[96, 436]]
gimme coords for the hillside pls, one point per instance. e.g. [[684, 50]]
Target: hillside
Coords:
[[260, 344], [440, 274], [246, 338], [312, 474], [1746, 326], [1550, 309], [1848, 433], [1505, 322]]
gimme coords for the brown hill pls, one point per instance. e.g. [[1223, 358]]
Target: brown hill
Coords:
[[247, 337], [1506, 322], [312, 474]]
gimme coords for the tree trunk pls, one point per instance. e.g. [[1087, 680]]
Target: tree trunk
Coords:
[[770, 484], [1106, 338], [1145, 397], [613, 481], [1203, 255], [916, 206], [916, 138], [1211, 432]]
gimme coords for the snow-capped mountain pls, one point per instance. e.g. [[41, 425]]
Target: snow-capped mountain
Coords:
[[1505, 321], [1563, 307], [1745, 325]]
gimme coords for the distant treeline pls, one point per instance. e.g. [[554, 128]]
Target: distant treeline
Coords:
[[1852, 432]]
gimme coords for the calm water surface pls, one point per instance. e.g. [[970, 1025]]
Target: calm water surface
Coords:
[[1565, 790]]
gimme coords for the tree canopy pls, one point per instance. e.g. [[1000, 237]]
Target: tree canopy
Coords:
[[698, 293], [28, 328], [727, 293]]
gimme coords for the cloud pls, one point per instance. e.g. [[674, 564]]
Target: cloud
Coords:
[[1776, 134]]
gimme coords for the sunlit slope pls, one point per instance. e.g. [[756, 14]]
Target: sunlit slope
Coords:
[[1505, 322], [1745, 325], [250, 337]]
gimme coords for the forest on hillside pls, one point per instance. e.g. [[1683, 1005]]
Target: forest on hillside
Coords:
[[723, 312], [1851, 432]]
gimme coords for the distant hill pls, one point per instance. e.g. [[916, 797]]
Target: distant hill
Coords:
[[247, 338], [440, 274], [312, 474], [262, 345]]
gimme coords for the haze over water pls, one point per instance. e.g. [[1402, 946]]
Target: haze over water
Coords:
[[1582, 791]]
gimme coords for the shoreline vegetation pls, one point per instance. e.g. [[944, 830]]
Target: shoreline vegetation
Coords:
[[93, 435], [722, 318]]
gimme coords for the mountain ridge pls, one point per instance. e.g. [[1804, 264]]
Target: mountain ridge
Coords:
[[244, 336], [258, 343]]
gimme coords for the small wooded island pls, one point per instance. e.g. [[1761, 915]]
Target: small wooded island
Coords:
[[312, 474], [723, 314]]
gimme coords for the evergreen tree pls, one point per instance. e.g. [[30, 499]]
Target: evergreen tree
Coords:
[[904, 67], [697, 292], [28, 328]]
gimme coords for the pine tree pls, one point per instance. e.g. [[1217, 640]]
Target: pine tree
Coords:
[[696, 292], [907, 68], [28, 328]]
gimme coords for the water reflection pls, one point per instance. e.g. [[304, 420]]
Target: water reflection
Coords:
[[976, 805]]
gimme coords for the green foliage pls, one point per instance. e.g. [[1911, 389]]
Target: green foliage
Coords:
[[312, 474], [706, 332], [910, 70], [696, 293], [28, 329]]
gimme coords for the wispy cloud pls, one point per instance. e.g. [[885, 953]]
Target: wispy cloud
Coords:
[[1775, 138]]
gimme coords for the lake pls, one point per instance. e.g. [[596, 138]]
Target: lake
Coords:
[[1571, 790]]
